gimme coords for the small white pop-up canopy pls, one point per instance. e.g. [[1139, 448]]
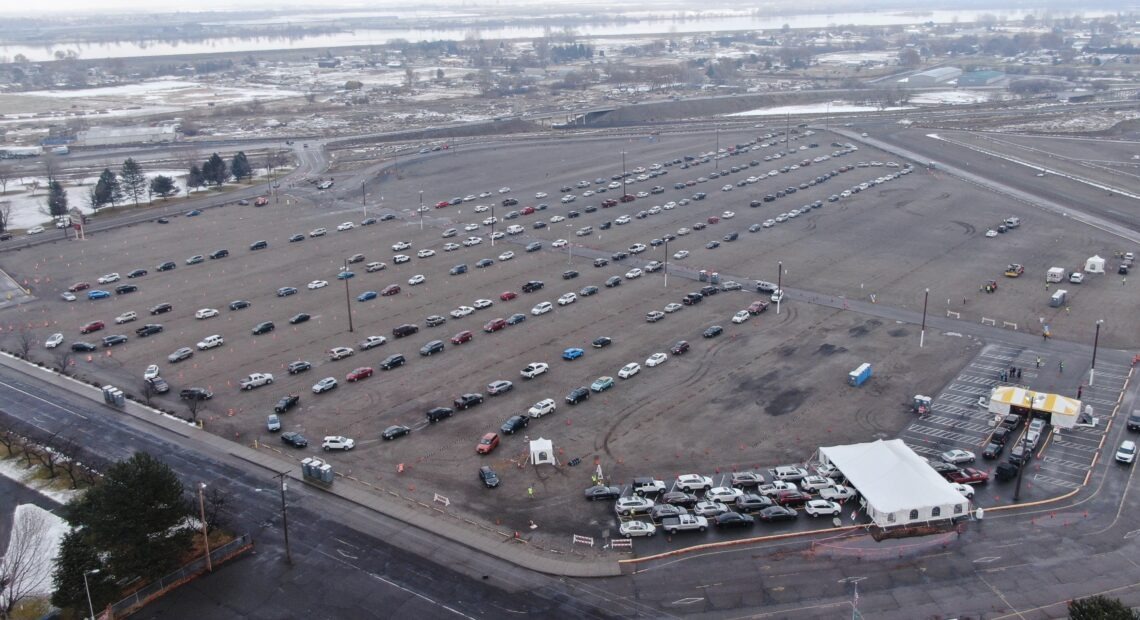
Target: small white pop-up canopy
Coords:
[[1094, 264], [542, 451]]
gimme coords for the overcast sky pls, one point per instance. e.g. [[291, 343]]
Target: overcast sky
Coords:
[[119, 6]]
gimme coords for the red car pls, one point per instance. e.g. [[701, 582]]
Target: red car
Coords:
[[441, 204], [628, 198], [494, 325], [93, 326], [527, 210], [487, 444], [79, 286], [462, 337], [792, 498], [757, 307], [508, 295], [360, 373], [967, 475], [609, 202], [391, 289]]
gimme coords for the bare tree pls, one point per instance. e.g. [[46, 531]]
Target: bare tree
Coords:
[[5, 176], [51, 167], [28, 447], [9, 440], [148, 392], [193, 406], [64, 360], [25, 338], [49, 455], [216, 502], [71, 466], [25, 570]]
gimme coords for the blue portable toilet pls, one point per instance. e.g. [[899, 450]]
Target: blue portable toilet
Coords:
[[860, 375]]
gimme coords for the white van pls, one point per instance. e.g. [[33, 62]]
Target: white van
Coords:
[[1012, 222], [514, 229]]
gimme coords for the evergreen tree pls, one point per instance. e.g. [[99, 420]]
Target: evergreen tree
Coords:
[[214, 170], [107, 188], [57, 199], [75, 558], [1100, 608], [163, 186], [195, 179], [240, 166], [133, 181]]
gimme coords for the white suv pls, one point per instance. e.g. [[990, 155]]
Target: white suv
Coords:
[[693, 482], [542, 408], [338, 443]]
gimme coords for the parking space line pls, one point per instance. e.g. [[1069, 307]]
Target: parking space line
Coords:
[[942, 434], [1075, 446], [972, 390], [1052, 460], [961, 424], [921, 449], [1038, 478]]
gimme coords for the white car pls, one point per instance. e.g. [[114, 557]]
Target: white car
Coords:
[[633, 504], [338, 443], [540, 195], [966, 490], [741, 316], [35, 230], [417, 279], [534, 369], [372, 342], [462, 311], [150, 372], [692, 482], [401, 246], [956, 457], [487, 221], [625, 219], [838, 494], [504, 190], [401, 258], [656, 359], [629, 370], [542, 308], [728, 215], [542, 407], [768, 223], [726, 188], [681, 232], [206, 313], [630, 529], [821, 507], [669, 206], [637, 248], [482, 303], [425, 253], [472, 227], [126, 317], [318, 232], [450, 247], [566, 299], [470, 241], [559, 243], [778, 295], [633, 273], [709, 509], [568, 198], [508, 255], [374, 266], [774, 487], [727, 495], [109, 278], [815, 483], [673, 307], [67, 296], [337, 353], [481, 208], [991, 233], [680, 254], [346, 226], [316, 284], [556, 219], [498, 234], [53, 341]]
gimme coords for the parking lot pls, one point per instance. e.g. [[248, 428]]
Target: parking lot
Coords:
[[766, 391]]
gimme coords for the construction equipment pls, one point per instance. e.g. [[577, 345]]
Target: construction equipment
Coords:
[[990, 286], [1014, 270], [921, 404]]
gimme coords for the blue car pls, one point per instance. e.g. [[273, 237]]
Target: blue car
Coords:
[[601, 384], [193, 213], [572, 354], [344, 275], [97, 294], [366, 296]]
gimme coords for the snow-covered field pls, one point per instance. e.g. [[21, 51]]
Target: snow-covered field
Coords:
[[817, 108], [39, 558], [949, 97], [170, 92], [14, 470], [31, 210]]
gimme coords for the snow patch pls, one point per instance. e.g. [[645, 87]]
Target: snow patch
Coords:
[[818, 108], [38, 577], [13, 469]]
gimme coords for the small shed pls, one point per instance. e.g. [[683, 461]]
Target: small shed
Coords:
[[542, 452], [1094, 264]]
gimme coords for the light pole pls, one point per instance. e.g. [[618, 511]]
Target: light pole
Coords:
[[86, 588], [364, 200], [1096, 341], [779, 285], [205, 528], [666, 262], [492, 225], [285, 517], [623, 172], [716, 152], [922, 334], [347, 297], [421, 209]]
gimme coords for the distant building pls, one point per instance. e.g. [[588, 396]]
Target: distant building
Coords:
[[1076, 96], [103, 136], [934, 77], [980, 78], [328, 63]]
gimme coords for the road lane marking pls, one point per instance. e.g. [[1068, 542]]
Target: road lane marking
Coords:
[[43, 400]]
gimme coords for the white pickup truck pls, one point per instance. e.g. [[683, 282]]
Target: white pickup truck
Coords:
[[257, 379], [684, 523]]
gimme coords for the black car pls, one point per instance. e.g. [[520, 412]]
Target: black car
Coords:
[[992, 450], [1019, 455], [488, 476], [713, 331], [387, 217], [942, 467], [149, 329], [239, 304], [296, 238], [619, 256], [601, 342], [219, 254], [532, 286], [514, 424], [297, 440], [258, 245], [681, 347], [750, 502], [158, 384], [167, 266], [161, 309], [655, 242], [613, 281], [539, 225], [439, 413], [299, 366], [590, 209], [777, 513], [516, 318], [678, 498], [578, 395], [125, 288], [534, 246], [733, 519], [435, 320], [601, 262], [137, 273], [286, 403], [711, 245], [435, 346], [486, 262], [83, 347], [263, 328], [195, 393], [368, 221], [1001, 435], [1006, 471], [588, 290], [394, 432], [708, 291], [606, 225], [392, 361], [569, 274], [467, 401], [602, 493], [110, 341], [660, 512], [299, 318]]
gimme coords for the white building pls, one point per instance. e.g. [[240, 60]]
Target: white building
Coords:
[[898, 487], [934, 77], [103, 136]]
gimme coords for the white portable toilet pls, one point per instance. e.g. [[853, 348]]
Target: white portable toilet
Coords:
[[1094, 264], [542, 451]]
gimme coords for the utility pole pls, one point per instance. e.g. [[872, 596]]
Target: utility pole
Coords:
[[922, 333], [421, 211], [666, 262], [779, 285], [347, 298], [205, 530], [285, 516], [1096, 341], [364, 200], [716, 152]]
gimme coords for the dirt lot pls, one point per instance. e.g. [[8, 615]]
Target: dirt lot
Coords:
[[765, 392]]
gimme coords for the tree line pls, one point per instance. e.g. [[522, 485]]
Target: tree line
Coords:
[[214, 171]]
